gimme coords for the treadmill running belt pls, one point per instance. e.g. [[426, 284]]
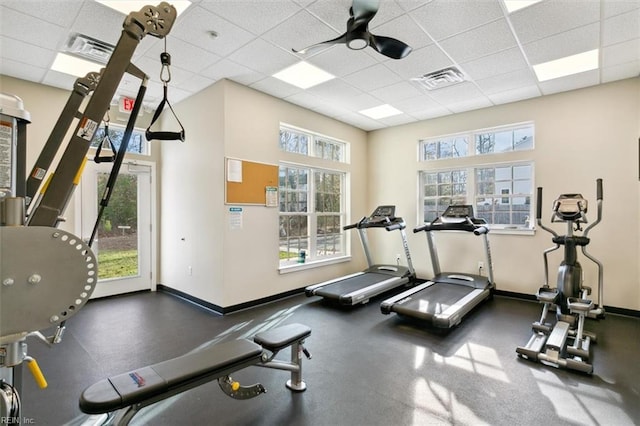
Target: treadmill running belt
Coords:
[[433, 300], [344, 287]]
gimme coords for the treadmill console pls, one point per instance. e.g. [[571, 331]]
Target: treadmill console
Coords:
[[381, 213], [381, 217], [457, 213]]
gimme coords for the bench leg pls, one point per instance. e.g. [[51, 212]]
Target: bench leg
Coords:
[[294, 366], [296, 383]]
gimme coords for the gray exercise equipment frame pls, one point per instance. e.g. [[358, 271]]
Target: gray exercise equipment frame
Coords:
[[565, 344]]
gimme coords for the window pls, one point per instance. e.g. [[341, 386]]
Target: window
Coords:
[[311, 144], [137, 144], [503, 194], [442, 189], [312, 199], [311, 214], [500, 191], [486, 141]]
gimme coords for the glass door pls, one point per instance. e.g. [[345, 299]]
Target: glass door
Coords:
[[123, 241]]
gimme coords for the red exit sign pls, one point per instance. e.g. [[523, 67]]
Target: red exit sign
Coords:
[[126, 104]]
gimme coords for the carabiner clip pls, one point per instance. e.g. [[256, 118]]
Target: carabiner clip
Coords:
[[165, 59]]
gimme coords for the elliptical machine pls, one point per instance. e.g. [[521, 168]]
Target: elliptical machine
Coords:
[[566, 344]]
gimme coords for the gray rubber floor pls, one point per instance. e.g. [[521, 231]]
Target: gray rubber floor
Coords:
[[367, 368]]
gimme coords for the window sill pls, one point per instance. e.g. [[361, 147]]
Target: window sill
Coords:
[[512, 231], [295, 267]]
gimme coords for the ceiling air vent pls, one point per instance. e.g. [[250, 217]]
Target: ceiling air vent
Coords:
[[438, 79], [89, 48]]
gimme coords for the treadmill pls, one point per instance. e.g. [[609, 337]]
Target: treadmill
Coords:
[[445, 299], [358, 288]]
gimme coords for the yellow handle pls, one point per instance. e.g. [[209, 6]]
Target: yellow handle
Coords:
[[37, 373]]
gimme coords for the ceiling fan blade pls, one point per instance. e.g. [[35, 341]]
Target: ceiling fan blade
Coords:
[[363, 11], [341, 39], [390, 47]]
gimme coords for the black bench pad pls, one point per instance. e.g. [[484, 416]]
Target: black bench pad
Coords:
[[281, 337], [152, 381]]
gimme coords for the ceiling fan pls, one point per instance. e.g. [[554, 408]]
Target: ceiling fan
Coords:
[[358, 36]]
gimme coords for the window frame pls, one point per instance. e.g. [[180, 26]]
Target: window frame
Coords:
[[312, 216], [475, 161], [313, 138]]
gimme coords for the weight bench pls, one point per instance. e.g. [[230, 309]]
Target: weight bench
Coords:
[[123, 395]]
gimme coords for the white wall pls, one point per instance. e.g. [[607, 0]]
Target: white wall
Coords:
[[233, 266], [580, 136]]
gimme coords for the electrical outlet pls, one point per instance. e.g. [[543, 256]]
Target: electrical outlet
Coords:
[[397, 259], [190, 271], [480, 264]]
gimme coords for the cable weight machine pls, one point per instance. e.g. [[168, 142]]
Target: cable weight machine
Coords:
[[47, 274]]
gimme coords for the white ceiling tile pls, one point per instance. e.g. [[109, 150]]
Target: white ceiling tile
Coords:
[[404, 29], [508, 81], [621, 28], [547, 18], [339, 60], [334, 13], [621, 71], [58, 79], [300, 31], [276, 87], [26, 53], [255, 16], [344, 94], [469, 104], [304, 99], [481, 41], [444, 18], [431, 113], [264, 57], [372, 78], [195, 83], [578, 40], [397, 120], [59, 12], [457, 93], [396, 92], [388, 11], [616, 7], [361, 121], [233, 71], [184, 55], [99, 21], [420, 62], [196, 23], [47, 35], [621, 53], [514, 95], [21, 70], [571, 82], [500, 63], [417, 104]]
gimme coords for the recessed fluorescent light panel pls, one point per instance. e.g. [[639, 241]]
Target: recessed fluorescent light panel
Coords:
[[513, 5], [381, 111], [303, 75], [128, 6], [73, 65], [574, 64]]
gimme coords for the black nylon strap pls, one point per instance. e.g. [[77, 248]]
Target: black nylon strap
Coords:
[[164, 135]]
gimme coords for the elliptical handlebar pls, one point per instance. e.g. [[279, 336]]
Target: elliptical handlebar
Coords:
[[599, 207], [539, 214]]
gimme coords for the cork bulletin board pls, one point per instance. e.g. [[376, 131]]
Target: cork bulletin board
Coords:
[[248, 182]]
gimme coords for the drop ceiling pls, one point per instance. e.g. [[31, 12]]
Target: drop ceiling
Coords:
[[495, 50]]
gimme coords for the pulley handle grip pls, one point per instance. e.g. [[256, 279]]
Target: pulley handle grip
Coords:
[[539, 204], [36, 372], [599, 189]]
